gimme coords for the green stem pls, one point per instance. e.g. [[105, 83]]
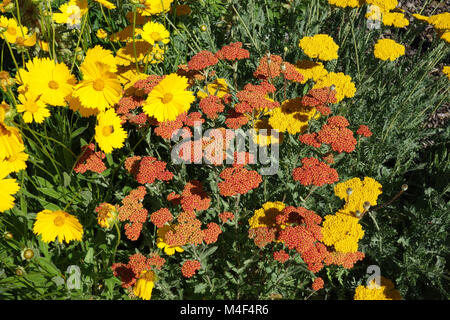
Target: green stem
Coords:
[[118, 241]]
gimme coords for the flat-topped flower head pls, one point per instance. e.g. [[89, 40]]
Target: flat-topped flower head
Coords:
[[388, 49], [320, 46], [52, 224]]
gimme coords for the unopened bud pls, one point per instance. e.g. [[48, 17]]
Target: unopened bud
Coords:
[[8, 235], [333, 87], [20, 271], [349, 191], [404, 187], [358, 213], [203, 28], [27, 254], [366, 205]]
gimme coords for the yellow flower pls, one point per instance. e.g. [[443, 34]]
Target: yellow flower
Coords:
[[168, 249], [385, 5], [320, 46], [444, 35], [11, 141], [33, 107], [106, 4], [157, 54], [16, 162], [125, 56], [366, 190], [101, 34], [268, 137], [128, 78], [52, 224], [217, 88], [75, 105], [71, 13], [440, 21], [8, 187], [53, 81], [291, 116], [169, 98], [395, 19], [6, 80], [126, 34], [446, 71], [98, 54], [155, 32], [109, 133], [43, 45], [342, 231], [388, 49], [311, 70], [144, 285], [152, 7], [106, 215], [346, 3], [420, 17], [384, 291], [100, 88], [266, 216], [344, 86]]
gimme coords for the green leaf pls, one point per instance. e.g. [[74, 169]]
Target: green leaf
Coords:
[[48, 266]]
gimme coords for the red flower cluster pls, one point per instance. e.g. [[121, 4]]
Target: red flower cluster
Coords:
[[347, 260], [310, 139], [211, 233], [167, 128], [127, 104], [186, 231], [147, 85], [269, 68], [336, 134], [147, 169], [202, 60], [232, 52], [225, 216], [254, 97], [238, 180], [190, 267], [90, 160], [133, 211], [281, 256], [315, 172], [235, 120], [364, 131], [317, 284], [193, 197], [156, 260], [262, 236], [130, 272], [290, 72], [161, 217], [318, 98], [211, 106]]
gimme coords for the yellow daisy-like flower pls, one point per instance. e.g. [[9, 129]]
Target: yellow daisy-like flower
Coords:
[[16, 162], [52, 224], [75, 105], [125, 55], [342, 231], [268, 136], [320, 46], [346, 3], [71, 13], [152, 7], [99, 54], [128, 78], [217, 88], [33, 107], [101, 34], [144, 285], [385, 5], [11, 28], [384, 291], [266, 216], [361, 191], [106, 4], [11, 141], [440, 21], [109, 133], [107, 215], [446, 71], [157, 54], [153, 32], [168, 249], [100, 88], [8, 187], [292, 116], [388, 49], [344, 86], [169, 98], [53, 81], [395, 19]]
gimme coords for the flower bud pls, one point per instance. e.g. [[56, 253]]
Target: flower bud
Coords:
[[366, 205], [349, 191], [157, 56], [8, 235], [358, 213], [20, 271], [27, 254], [333, 87], [404, 187], [203, 28]]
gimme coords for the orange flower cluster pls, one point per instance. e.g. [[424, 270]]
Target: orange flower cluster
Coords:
[[317, 284], [254, 97], [319, 98], [281, 256], [235, 120], [238, 180], [156, 261], [161, 217], [232, 52], [167, 128], [364, 131], [262, 236], [144, 86], [346, 260], [190, 267], [310, 139], [337, 135], [133, 211], [147, 169], [90, 160], [202, 60], [193, 197], [226, 216], [315, 172], [272, 66], [211, 233], [129, 273], [211, 106]]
